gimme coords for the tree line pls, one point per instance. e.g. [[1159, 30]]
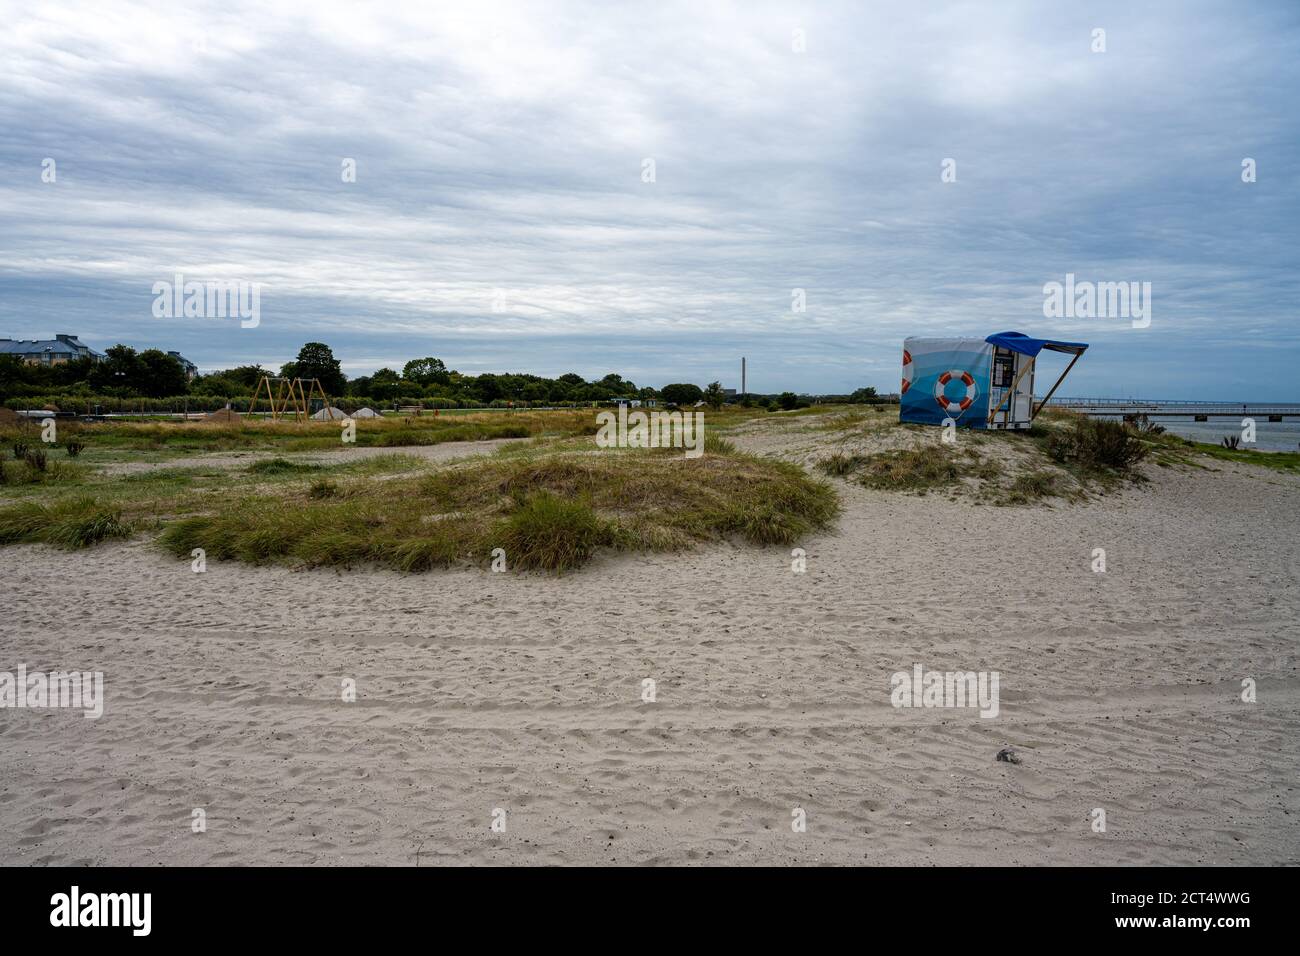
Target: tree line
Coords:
[[125, 373]]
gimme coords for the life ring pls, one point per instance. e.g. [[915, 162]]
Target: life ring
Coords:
[[955, 408], [907, 372]]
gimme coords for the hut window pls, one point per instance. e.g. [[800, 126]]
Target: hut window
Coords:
[[1004, 366]]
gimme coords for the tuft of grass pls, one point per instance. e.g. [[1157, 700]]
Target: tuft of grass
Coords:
[[910, 469], [715, 444], [323, 488], [547, 533], [840, 465], [1033, 486], [74, 523]]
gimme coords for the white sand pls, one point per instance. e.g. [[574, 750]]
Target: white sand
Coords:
[[479, 690]]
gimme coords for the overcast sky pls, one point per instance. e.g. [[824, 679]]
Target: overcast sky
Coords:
[[502, 148]]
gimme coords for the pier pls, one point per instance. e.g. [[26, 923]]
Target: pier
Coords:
[[1199, 411]]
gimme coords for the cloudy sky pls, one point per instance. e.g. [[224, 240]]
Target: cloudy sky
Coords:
[[500, 150]]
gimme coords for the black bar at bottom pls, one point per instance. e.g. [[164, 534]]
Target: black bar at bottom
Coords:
[[333, 906]]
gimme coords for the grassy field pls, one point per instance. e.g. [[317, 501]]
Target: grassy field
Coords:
[[549, 502], [118, 440]]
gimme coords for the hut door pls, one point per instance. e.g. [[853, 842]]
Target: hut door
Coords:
[[1004, 373], [1022, 402]]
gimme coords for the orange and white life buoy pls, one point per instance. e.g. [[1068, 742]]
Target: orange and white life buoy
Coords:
[[907, 372], [940, 386]]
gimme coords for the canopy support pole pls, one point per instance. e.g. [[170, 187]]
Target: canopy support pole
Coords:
[[1052, 391], [1014, 385]]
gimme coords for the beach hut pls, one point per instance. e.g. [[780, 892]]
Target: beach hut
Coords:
[[977, 383]]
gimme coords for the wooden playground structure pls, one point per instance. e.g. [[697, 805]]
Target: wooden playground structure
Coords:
[[289, 397]]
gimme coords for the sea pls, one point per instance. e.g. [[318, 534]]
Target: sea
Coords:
[[1269, 436]]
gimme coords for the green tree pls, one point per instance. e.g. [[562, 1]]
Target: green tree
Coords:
[[218, 383], [160, 375], [617, 385], [486, 388], [118, 373], [385, 385], [788, 400], [426, 371], [714, 395], [246, 376], [681, 394], [316, 360]]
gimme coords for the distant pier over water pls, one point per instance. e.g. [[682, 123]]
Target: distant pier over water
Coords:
[[1197, 411]]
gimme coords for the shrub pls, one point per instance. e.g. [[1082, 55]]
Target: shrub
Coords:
[[1098, 445], [20, 450], [1143, 425], [35, 459], [74, 448]]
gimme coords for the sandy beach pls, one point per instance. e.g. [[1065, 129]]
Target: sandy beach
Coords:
[[478, 692]]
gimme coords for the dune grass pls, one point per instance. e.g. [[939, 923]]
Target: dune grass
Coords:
[[911, 469], [1035, 486], [547, 512], [27, 472], [74, 523], [966, 468]]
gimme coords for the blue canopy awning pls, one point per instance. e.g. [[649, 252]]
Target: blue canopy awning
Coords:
[[1019, 342]]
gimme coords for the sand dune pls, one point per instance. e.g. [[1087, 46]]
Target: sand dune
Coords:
[[479, 691]]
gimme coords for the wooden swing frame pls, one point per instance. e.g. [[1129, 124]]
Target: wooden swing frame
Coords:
[[289, 397]]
